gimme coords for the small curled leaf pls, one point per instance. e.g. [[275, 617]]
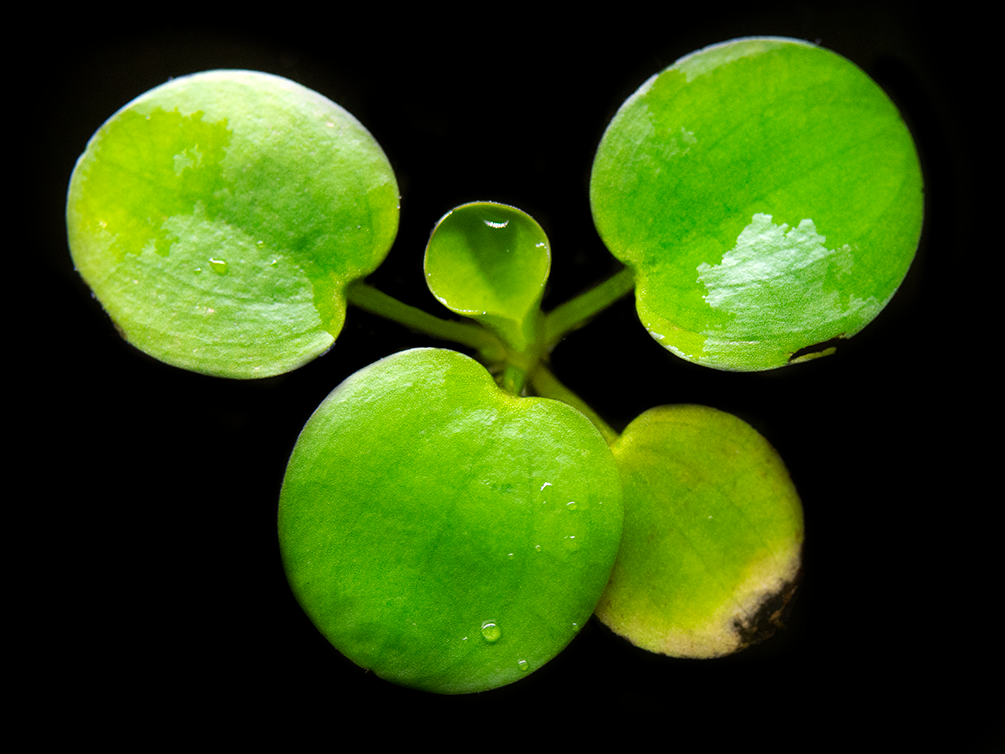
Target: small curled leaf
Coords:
[[490, 262]]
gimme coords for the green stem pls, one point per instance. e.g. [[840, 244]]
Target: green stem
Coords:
[[547, 385], [575, 312], [370, 299], [513, 379]]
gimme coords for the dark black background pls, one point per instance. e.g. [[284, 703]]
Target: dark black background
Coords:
[[146, 539]]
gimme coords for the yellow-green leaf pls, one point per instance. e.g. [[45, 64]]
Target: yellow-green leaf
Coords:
[[712, 536]]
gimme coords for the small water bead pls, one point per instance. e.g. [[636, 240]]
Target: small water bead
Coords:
[[218, 266], [522, 664], [491, 632], [571, 505]]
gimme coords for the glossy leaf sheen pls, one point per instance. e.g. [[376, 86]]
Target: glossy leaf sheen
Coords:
[[490, 261], [713, 530], [219, 218], [768, 196], [442, 532]]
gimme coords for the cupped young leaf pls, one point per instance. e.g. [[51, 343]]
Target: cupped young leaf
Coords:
[[219, 218], [712, 536], [442, 532], [490, 261], [768, 196]]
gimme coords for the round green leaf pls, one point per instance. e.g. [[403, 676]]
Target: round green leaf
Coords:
[[443, 533], [219, 218], [712, 537], [490, 261], [767, 195]]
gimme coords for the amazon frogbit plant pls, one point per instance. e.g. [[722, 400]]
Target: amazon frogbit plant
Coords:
[[451, 522]]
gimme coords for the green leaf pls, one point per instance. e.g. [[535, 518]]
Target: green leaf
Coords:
[[768, 196], [712, 538], [490, 261], [219, 218], [443, 533]]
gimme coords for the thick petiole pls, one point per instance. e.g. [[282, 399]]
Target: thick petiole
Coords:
[[370, 299], [577, 311]]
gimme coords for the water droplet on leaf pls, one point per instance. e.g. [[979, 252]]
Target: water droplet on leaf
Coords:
[[491, 632]]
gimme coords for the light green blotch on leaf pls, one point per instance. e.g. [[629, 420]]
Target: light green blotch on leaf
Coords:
[[243, 300], [140, 170], [707, 59], [782, 284]]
